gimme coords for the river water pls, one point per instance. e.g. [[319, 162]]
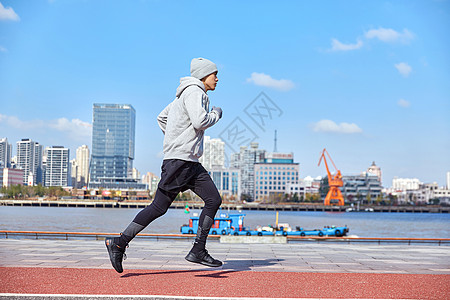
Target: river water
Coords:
[[363, 224]]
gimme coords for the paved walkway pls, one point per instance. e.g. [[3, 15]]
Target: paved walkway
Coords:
[[158, 268]]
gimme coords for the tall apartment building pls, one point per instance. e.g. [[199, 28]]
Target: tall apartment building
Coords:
[[135, 174], [80, 167], [276, 176], [213, 153], [113, 142], [152, 181], [245, 161], [29, 159], [73, 173], [5, 153], [57, 166]]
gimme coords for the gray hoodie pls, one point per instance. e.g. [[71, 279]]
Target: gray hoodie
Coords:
[[185, 120]]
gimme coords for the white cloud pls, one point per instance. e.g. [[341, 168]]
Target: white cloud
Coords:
[[14, 122], [3, 49], [74, 128], [403, 68], [390, 35], [338, 46], [8, 14], [262, 79], [403, 103], [330, 126]]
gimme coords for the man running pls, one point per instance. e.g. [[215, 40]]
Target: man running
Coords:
[[183, 123]]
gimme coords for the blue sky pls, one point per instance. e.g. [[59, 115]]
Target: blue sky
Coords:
[[368, 80]]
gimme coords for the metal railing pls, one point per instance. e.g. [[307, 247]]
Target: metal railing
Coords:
[[159, 236]]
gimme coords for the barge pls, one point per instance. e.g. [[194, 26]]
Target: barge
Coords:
[[233, 224]]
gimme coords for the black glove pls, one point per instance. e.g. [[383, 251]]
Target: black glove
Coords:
[[218, 110]]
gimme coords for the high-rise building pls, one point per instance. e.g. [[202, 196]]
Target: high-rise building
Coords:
[[82, 164], [113, 140], [213, 153], [5, 153], [73, 173], [57, 166], [135, 174], [152, 181], [276, 176], [29, 159], [245, 161]]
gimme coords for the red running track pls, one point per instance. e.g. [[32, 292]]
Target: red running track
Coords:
[[223, 283]]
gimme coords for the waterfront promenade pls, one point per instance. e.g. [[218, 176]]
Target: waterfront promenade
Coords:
[[70, 269]]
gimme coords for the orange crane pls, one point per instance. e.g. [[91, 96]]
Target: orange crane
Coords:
[[334, 181]]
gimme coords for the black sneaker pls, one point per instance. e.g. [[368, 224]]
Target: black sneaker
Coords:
[[203, 258], [116, 254]]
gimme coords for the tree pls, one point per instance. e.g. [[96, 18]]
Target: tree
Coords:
[[369, 198], [379, 199], [324, 187], [350, 197], [359, 197], [307, 197], [246, 197]]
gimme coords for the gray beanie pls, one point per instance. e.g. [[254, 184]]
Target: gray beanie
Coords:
[[202, 67]]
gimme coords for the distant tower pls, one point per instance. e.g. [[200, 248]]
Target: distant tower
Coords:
[[275, 143], [82, 161], [375, 170]]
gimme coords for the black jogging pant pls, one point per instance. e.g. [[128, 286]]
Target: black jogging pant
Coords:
[[178, 176]]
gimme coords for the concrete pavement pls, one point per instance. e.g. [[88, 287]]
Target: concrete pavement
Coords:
[[291, 257]]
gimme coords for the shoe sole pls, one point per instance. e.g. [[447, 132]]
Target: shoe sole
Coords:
[[108, 243], [201, 262]]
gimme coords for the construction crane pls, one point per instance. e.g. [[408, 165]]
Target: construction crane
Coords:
[[334, 181]]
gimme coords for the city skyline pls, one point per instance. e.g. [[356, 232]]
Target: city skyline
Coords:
[[373, 168], [366, 81]]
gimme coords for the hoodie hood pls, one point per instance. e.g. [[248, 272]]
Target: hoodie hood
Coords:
[[186, 82]]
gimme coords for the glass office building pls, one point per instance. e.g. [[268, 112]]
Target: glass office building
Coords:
[[113, 139]]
